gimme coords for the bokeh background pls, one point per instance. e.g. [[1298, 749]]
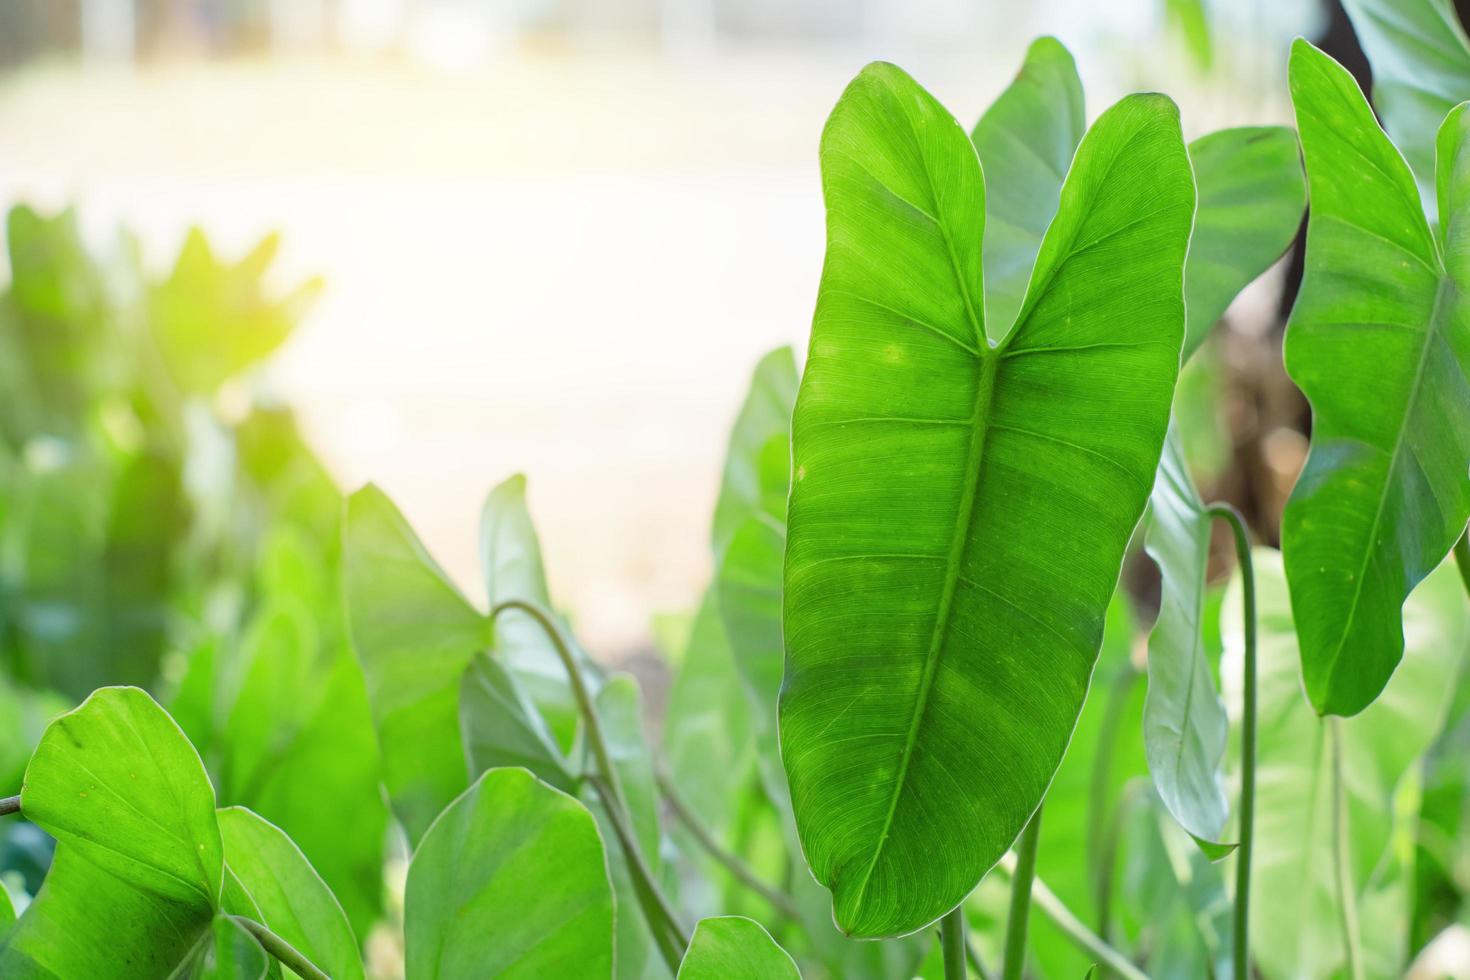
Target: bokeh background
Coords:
[[552, 236]]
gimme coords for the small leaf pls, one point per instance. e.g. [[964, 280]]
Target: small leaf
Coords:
[[231, 953], [1184, 724], [500, 727], [116, 782], [760, 434], [1251, 198], [1379, 342], [510, 881], [288, 896], [732, 947]]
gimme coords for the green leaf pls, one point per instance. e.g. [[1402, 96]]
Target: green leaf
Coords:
[[1184, 723], [1301, 938], [415, 635], [732, 947], [500, 727], [1251, 197], [230, 953], [960, 511], [510, 555], [509, 881], [760, 436], [1379, 341], [288, 895], [116, 782], [1026, 140], [1421, 70]]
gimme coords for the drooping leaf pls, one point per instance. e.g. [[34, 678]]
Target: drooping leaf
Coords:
[[732, 947], [415, 634], [759, 436], [116, 782], [1184, 723], [289, 897], [1421, 70], [1025, 140], [500, 727], [1251, 197], [960, 512], [509, 881], [228, 952], [1379, 341], [1296, 920]]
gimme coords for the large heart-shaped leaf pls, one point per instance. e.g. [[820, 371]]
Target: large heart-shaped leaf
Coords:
[[287, 894], [732, 947], [1379, 341], [1421, 70], [960, 511], [1297, 917], [510, 881], [1026, 140], [1251, 196], [1184, 723]]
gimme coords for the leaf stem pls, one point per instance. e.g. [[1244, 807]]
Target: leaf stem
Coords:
[[9, 805], [1240, 948], [1462, 557], [1066, 920], [738, 869], [662, 920], [1103, 817], [1015, 949], [1347, 901], [952, 942], [288, 955]]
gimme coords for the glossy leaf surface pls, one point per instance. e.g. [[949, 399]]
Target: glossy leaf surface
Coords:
[[1379, 341], [1296, 922], [1421, 70], [1251, 196], [288, 895], [1184, 723], [1026, 140], [960, 512], [732, 947], [510, 881]]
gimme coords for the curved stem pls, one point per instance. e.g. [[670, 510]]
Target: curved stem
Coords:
[[288, 955], [1347, 900], [1066, 920], [1240, 948], [662, 920], [9, 805], [738, 869], [952, 943], [1015, 950], [1462, 558]]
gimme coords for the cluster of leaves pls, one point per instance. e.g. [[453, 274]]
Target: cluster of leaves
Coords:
[[913, 638]]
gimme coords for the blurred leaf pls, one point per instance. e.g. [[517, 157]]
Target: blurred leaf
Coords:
[[732, 947], [897, 559], [1251, 198], [1184, 723], [288, 895], [1378, 342], [756, 474], [1421, 70], [1294, 839], [1191, 18], [500, 727], [1026, 141], [231, 953], [509, 882]]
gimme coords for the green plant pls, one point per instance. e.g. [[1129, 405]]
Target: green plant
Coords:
[[911, 704]]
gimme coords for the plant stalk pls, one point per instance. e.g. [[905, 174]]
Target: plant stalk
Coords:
[[662, 920], [738, 869], [1015, 950], [1104, 818], [977, 965], [1347, 900], [9, 805], [952, 943], [1462, 558], [288, 955], [1066, 920], [1240, 948]]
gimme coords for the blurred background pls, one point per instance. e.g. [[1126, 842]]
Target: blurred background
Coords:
[[545, 236]]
